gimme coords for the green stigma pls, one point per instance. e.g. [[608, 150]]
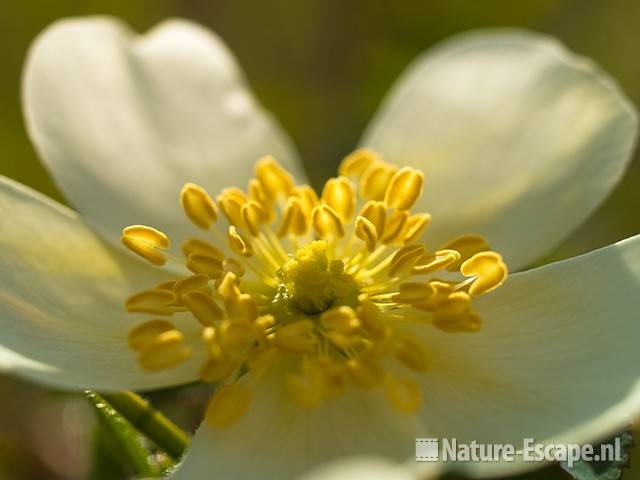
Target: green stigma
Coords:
[[313, 283]]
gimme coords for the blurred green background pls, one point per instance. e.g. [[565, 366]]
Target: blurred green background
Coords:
[[321, 66]]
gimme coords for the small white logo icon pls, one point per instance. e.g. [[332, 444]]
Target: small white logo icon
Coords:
[[427, 450]]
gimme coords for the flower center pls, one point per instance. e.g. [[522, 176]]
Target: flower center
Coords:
[[310, 284], [304, 286]]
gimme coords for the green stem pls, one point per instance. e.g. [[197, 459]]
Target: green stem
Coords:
[[126, 437], [150, 422]]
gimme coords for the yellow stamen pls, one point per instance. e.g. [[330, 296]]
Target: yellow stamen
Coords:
[[412, 354], [343, 319], [415, 227], [203, 307], [204, 264], [275, 180], [366, 231], [467, 246], [156, 302], [326, 222], [143, 336], [338, 193], [254, 215], [488, 268], [404, 189], [165, 351], [403, 394], [146, 242], [239, 244], [294, 221], [198, 205], [228, 405], [375, 212], [296, 337], [434, 262], [196, 246], [357, 162], [375, 179]]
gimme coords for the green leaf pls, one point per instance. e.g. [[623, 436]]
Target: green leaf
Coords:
[[129, 441], [603, 469]]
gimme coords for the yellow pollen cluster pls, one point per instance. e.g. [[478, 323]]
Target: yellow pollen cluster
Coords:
[[333, 292]]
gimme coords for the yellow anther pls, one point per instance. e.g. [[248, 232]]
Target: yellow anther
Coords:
[[262, 357], [231, 201], [294, 220], [412, 354], [441, 291], [454, 314], [254, 215], [366, 231], [304, 390], [242, 307], [201, 247], [345, 341], [233, 265], [433, 262], [146, 242], [157, 302], [256, 193], [375, 180], [263, 326], [228, 404], [236, 335], [404, 189], [238, 243], [414, 292], [219, 365], [167, 285], [467, 246], [342, 319], [455, 305], [402, 393], [201, 263], [469, 322], [203, 307], [369, 314], [308, 198], [167, 350], [198, 205], [326, 223], [415, 227], [228, 286], [488, 268], [275, 180], [328, 374], [321, 378], [375, 212], [365, 374], [339, 194], [355, 164], [296, 337], [404, 259], [394, 227], [194, 282], [142, 336]]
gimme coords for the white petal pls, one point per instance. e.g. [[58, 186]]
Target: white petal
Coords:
[[355, 436], [62, 290], [556, 360], [519, 138], [124, 121]]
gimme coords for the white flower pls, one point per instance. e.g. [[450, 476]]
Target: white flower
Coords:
[[519, 140]]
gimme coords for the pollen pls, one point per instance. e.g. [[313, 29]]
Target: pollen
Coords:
[[330, 292]]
